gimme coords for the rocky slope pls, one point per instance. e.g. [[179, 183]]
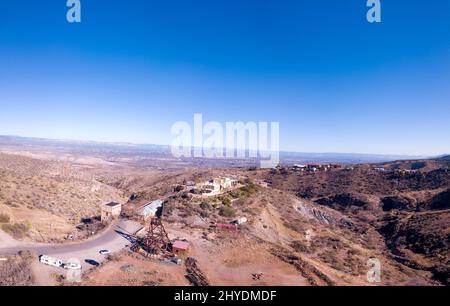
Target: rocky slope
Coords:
[[406, 203]]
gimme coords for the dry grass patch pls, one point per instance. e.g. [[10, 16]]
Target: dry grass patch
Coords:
[[16, 230], [16, 271], [4, 218]]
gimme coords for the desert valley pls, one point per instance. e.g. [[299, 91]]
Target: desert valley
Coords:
[[310, 221]]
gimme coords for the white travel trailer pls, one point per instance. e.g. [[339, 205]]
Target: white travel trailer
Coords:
[[55, 262]]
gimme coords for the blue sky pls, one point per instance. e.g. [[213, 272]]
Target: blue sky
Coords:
[[133, 68]]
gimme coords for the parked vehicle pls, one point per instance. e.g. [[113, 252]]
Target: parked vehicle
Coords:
[[240, 221], [105, 252], [72, 266], [176, 260], [51, 261], [92, 262]]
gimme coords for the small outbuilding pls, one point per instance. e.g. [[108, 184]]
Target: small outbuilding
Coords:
[[180, 247], [111, 211], [150, 210]]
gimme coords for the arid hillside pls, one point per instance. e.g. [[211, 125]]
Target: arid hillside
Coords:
[[44, 200], [303, 227], [403, 206]]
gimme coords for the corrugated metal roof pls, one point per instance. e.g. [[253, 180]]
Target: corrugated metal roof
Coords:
[[150, 208], [180, 245]]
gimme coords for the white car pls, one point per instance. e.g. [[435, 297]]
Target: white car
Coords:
[[105, 252], [72, 266]]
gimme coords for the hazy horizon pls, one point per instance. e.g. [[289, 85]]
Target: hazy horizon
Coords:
[[168, 145]]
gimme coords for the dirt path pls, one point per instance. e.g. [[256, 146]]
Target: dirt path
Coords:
[[113, 238]]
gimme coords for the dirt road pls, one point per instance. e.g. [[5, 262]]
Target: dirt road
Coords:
[[114, 239]]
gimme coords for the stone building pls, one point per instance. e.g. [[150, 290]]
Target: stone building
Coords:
[[111, 211]]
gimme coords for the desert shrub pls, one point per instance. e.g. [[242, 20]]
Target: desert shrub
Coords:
[[178, 188], [302, 247], [227, 211], [150, 283], [205, 206], [244, 192], [329, 242], [249, 189], [59, 278], [330, 258], [204, 214], [353, 252], [17, 230], [441, 274], [114, 257], [226, 201], [11, 204], [353, 264], [236, 194], [4, 218]]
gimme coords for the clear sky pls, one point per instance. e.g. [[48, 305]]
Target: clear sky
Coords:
[[133, 68]]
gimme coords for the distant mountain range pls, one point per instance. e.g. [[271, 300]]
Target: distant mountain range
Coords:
[[89, 147], [445, 157]]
